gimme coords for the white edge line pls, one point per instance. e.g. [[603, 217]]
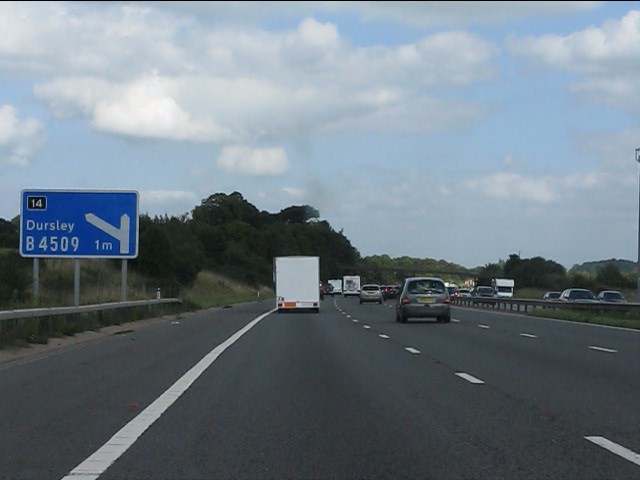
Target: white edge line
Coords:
[[470, 378], [382, 335], [602, 349], [455, 321], [483, 326], [96, 464], [528, 335], [615, 448], [412, 350]]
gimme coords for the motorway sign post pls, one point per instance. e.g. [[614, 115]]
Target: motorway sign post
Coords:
[[79, 224]]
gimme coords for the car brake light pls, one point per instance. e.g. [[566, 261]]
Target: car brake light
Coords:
[[447, 299], [404, 300]]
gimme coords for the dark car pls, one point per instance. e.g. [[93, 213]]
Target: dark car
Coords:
[[483, 291], [551, 295], [423, 297], [390, 291]]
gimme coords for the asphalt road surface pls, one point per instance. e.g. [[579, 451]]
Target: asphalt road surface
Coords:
[[347, 393]]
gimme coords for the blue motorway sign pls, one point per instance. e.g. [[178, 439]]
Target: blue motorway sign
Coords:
[[79, 223]]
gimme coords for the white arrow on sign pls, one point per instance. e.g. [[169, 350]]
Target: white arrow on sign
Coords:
[[121, 234]]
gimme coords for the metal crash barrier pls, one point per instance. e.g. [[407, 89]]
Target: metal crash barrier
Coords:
[[527, 305], [38, 324]]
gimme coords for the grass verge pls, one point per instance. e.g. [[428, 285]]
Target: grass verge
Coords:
[[624, 320], [100, 285]]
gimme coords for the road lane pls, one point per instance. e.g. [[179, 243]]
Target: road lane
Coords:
[[326, 398], [56, 411], [321, 396], [99, 461], [555, 371]]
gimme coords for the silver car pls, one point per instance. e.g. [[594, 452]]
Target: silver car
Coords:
[[611, 296], [579, 295], [423, 297], [464, 292], [370, 293]]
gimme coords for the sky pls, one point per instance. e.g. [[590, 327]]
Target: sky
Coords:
[[461, 131]]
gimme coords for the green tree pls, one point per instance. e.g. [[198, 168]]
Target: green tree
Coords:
[[535, 272], [609, 276], [489, 271], [213, 242], [9, 234], [298, 214], [583, 280], [219, 209], [154, 252], [14, 278]]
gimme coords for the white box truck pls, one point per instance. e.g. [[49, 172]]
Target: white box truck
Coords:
[[336, 284], [503, 287], [297, 281], [351, 285]]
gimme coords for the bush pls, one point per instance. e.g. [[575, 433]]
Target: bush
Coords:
[[14, 278]]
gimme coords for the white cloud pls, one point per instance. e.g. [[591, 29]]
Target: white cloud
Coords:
[[142, 73], [144, 107], [509, 160], [542, 190], [617, 92], [254, 161], [163, 196], [295, 192], [609, 58], [172, 202], [614, 150], [431, 14], [512, 186], [72, 96], [317, 35], [19, 139], [95, 38], [147, 107], [590, 51], [582, 181]]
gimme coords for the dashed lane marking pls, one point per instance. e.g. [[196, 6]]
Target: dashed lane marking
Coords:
[[615, 448], [469, 378], [602, 349]]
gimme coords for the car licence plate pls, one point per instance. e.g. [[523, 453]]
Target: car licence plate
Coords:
[[427, 300]]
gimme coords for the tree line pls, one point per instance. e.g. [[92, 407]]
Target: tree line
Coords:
[[229, 235], [536, 272], [225, 233]]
